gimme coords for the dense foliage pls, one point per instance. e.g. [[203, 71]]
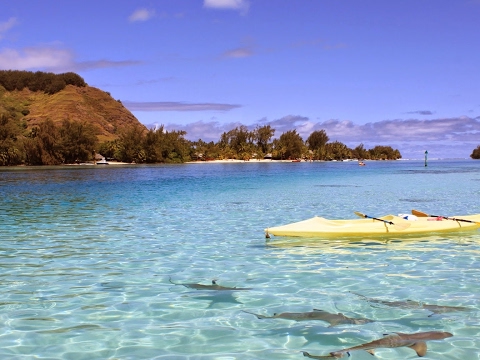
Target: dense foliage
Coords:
[[49, 83], [48, 144], [74, 141], [476, 153]]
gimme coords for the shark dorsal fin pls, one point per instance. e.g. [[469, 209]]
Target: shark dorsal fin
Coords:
[[371, 352], [420, 347]]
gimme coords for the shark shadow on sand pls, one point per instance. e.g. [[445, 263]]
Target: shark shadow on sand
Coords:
[[410, 304], [218, 298], [213, 286], [413, 341], [219, 294]]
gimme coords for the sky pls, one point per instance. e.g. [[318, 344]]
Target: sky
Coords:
[[402, 73]]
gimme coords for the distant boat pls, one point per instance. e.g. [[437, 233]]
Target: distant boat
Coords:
[[102, 162]]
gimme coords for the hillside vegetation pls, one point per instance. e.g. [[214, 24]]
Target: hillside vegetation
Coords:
[[30, 102]]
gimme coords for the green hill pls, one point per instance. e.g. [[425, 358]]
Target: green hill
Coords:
[[86, 104]]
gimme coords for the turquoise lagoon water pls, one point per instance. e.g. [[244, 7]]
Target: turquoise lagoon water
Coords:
[[89, 255]]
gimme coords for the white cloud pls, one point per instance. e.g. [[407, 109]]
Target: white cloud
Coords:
[[241, 5], [52, 59], [141, 15], [7, 25], [35, 58]]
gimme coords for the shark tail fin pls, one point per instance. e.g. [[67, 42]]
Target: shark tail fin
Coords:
[[420, 348], [319, 356], [360, 295]]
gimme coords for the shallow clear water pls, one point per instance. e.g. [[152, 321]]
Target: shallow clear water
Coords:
[[89, 255]]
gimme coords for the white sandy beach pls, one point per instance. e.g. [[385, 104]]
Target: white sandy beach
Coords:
[[226, 161]]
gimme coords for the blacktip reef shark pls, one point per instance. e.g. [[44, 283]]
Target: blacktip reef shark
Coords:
[[410, 304], [413, 341], [212, 286], [332, 319]]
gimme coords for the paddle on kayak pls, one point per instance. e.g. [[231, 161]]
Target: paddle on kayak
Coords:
[[422, 214], [398, 227]]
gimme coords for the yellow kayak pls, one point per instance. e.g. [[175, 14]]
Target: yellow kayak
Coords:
[[385, 225]]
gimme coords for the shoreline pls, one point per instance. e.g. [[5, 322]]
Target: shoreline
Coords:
[[237, 161], [97, 164], [231, 161]]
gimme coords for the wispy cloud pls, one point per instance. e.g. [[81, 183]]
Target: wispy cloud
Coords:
[[457, 129], [421, 112], [52, 59], [240, 52], [142, 14], [241, 5], [177, 106], [102, 64], [411, 137], [7, 25], [246, 49]]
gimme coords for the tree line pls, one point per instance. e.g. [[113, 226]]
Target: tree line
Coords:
[[241, 143], [49, 83], [47, 143], [75, 141]]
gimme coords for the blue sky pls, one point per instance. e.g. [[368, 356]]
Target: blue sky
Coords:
[[403, 73]]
